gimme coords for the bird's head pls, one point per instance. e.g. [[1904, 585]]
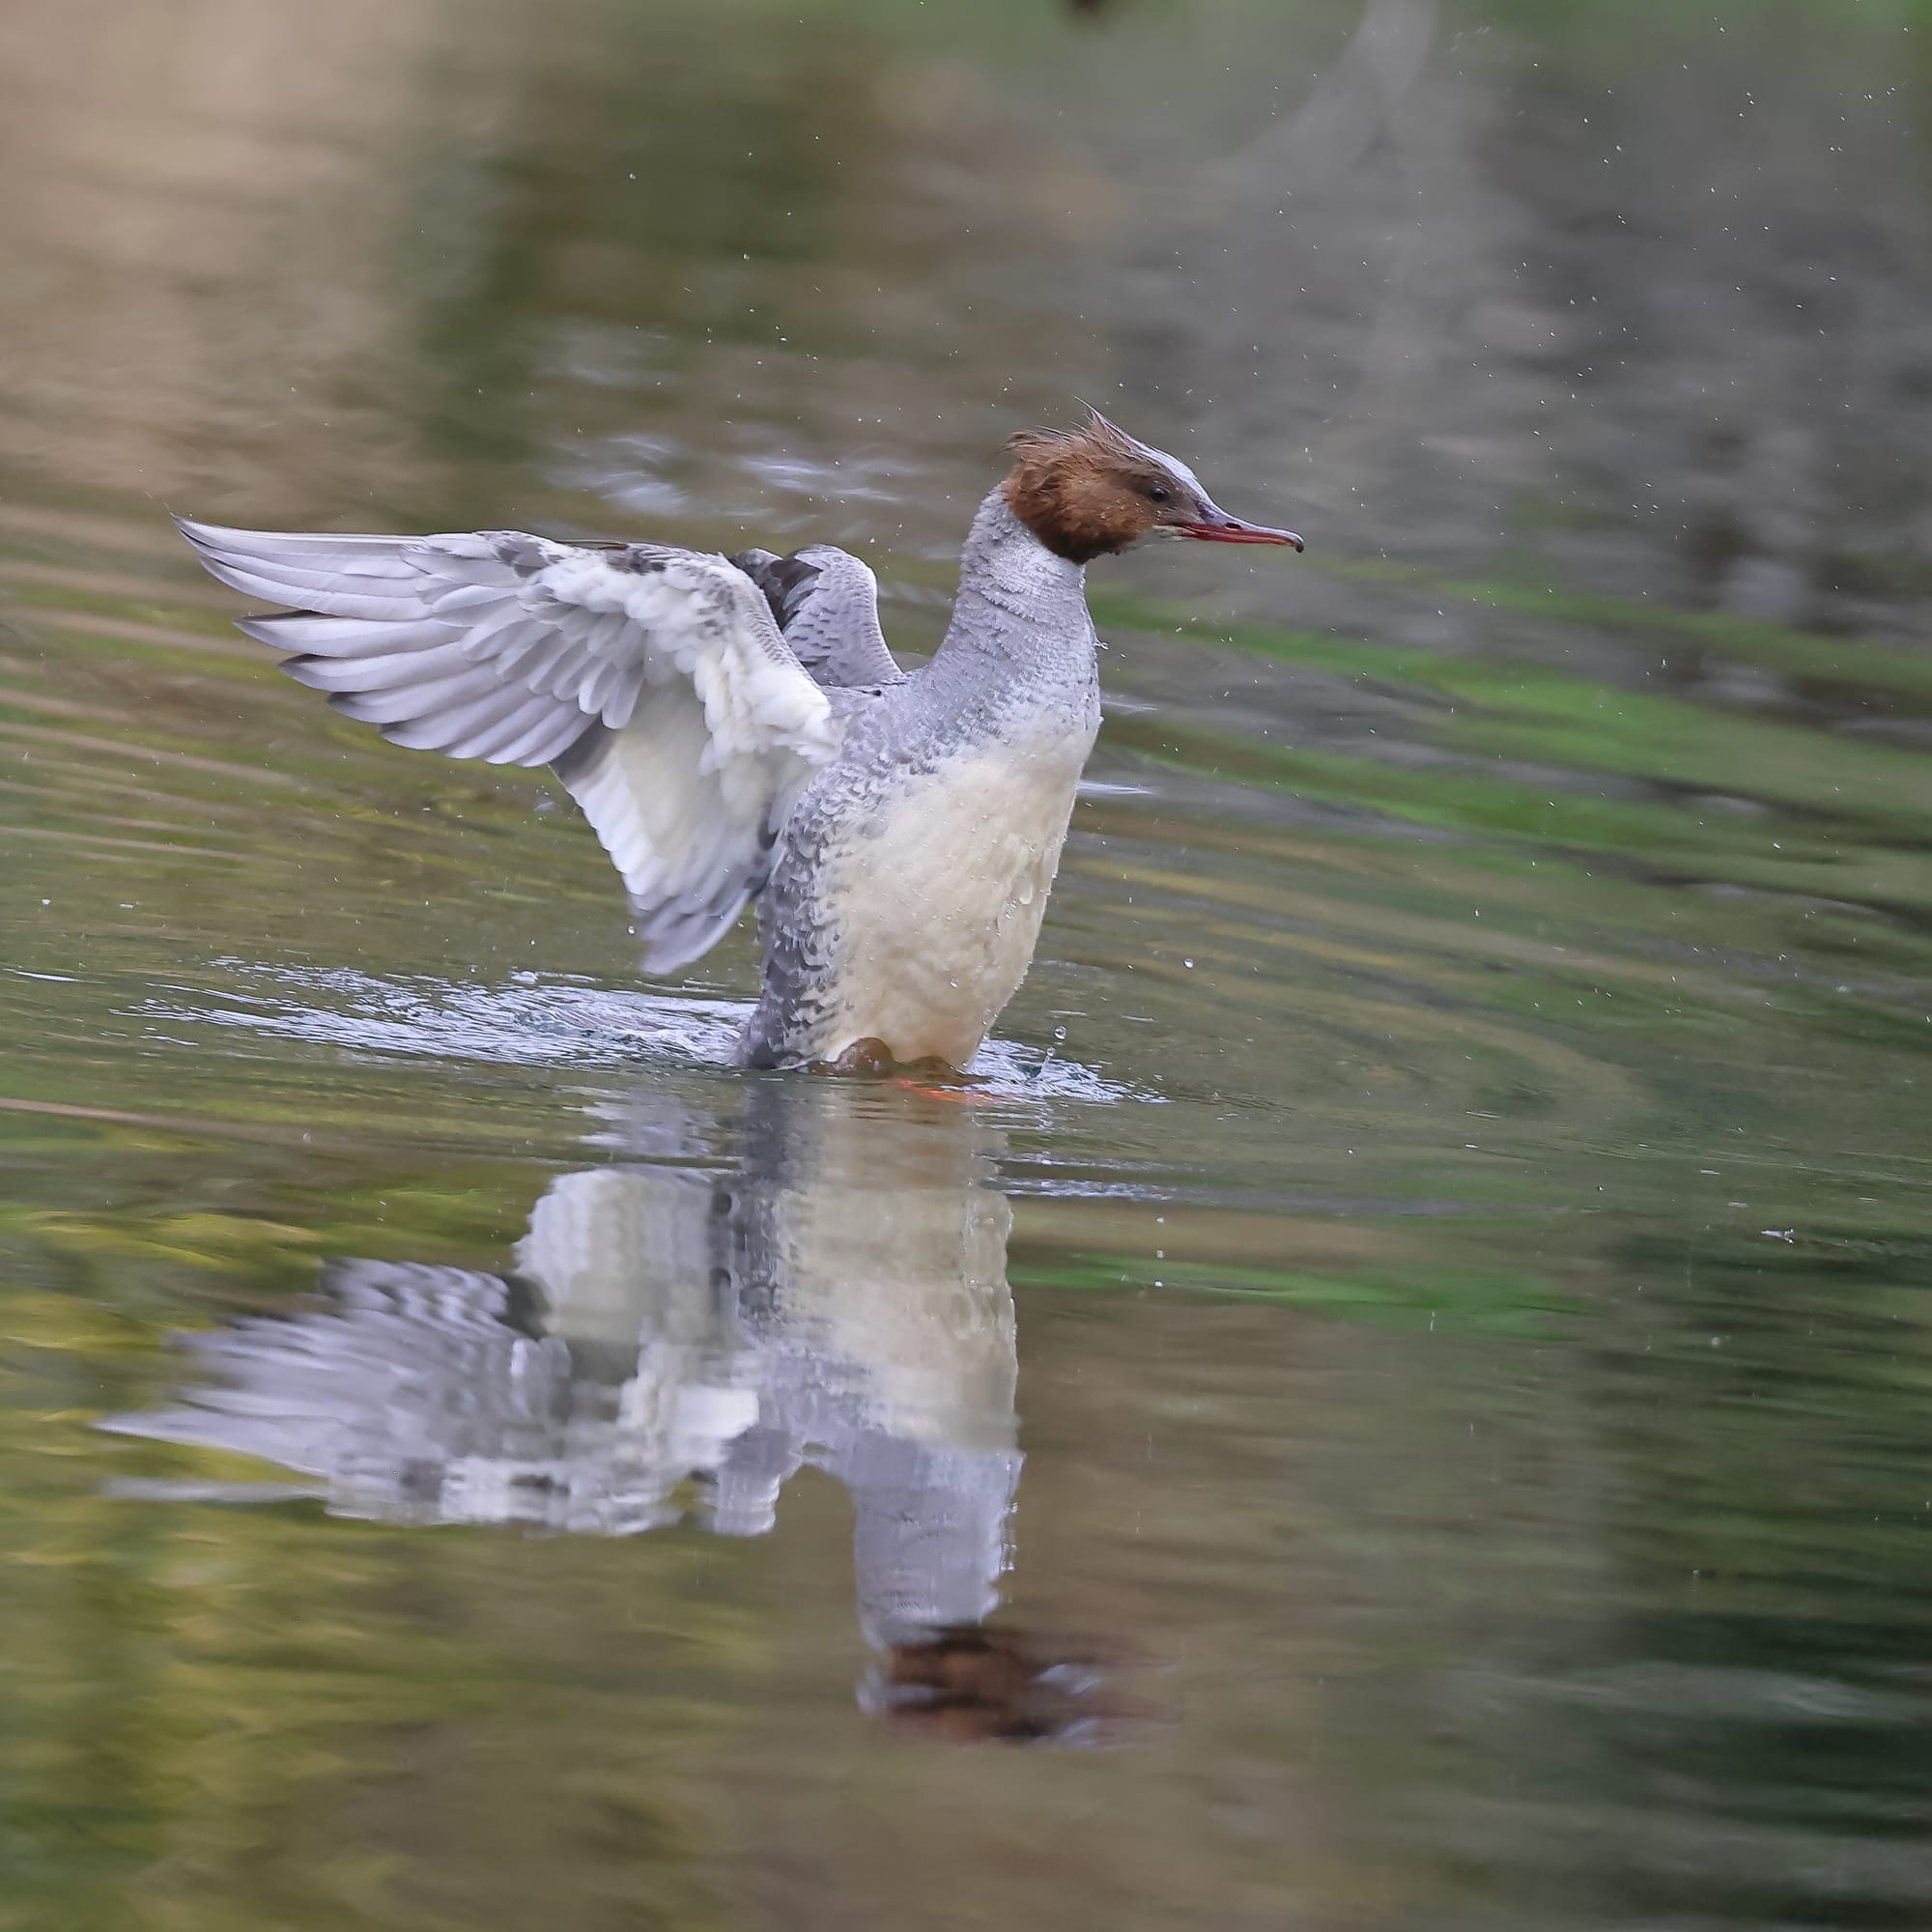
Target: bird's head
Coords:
[[1088, 492]]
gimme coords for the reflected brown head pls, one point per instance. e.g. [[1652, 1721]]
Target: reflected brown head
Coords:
[[1088, 492], [971, 1684]]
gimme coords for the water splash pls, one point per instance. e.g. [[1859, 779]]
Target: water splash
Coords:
[[534, 1020]]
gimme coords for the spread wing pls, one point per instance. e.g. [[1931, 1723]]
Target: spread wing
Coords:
[[656, 681], [826, 603]]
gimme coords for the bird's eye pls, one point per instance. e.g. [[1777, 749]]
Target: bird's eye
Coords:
[[1155, 493]]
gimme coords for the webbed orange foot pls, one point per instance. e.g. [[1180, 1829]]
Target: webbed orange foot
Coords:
[[869, 1059]]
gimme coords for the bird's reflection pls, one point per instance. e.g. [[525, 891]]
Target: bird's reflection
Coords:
[[672, 1342]]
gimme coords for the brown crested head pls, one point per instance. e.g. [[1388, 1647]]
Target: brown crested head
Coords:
[[1088, 492]]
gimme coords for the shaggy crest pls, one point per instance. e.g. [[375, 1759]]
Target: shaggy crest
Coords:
[[1087, 492]]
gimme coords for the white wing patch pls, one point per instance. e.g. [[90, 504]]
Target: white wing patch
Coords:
[[691, 839], [655, 678]]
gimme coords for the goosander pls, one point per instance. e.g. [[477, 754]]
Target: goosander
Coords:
[[734, 728]]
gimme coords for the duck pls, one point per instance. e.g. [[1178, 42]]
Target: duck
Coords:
[[735, 729]]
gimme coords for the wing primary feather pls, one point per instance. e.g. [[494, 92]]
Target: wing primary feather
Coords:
[[346, 636], [335, 603], [433, 697], [452, 728], [414, 669], [320, 574], [374, 557]]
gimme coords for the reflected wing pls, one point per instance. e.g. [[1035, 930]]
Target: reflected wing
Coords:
[[827, 602], [421, 1393], [655, 680]]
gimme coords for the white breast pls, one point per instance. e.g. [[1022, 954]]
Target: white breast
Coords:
[[937, 902]]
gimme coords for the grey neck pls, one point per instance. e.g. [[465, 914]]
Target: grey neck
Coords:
[[1017, 600]]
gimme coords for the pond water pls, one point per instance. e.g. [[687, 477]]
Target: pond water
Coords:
[[1402, 1396]]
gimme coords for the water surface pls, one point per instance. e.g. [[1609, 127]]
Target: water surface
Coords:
[[1405, 1379]]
